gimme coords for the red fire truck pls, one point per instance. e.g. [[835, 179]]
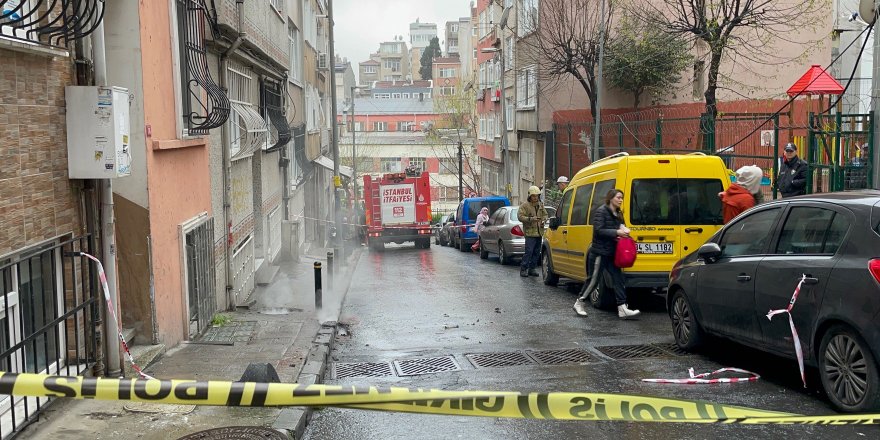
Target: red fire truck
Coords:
[[398, 209]]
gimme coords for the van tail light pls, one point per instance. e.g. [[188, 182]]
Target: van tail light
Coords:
[[874, 267], [516, 230]]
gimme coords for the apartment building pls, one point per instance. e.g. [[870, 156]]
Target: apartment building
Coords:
[[420, 36], [368, 72], [394, 61], [488, 95], [345, 80], [446, 72]]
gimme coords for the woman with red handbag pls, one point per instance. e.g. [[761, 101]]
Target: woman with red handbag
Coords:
[[608, 227]]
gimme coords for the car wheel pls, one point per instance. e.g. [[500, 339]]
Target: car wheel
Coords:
[[848, 371], [600, 297], [443, 241], [484, 254], [503, 258], [685, 328], [462, 245], [550, 278]]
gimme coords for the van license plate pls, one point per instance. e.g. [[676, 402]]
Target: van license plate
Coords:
[[654, 248]]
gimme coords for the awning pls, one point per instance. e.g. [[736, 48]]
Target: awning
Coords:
[[252, 128], [326, 162], [816, 82]]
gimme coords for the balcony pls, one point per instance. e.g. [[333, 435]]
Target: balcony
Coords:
[[49, 24]]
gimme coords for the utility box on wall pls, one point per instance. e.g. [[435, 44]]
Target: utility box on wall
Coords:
[[98, 132]]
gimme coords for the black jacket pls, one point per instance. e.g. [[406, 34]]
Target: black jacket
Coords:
[[792, 178], [605, 226]]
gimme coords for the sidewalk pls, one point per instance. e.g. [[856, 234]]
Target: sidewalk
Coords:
[[281, 329]]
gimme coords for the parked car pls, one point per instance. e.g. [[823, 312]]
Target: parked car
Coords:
[[670, 204], [503, 235], [447, 230], [466, 214], [437, 227], [753, 264]]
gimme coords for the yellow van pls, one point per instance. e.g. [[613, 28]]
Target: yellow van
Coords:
[[671, 205]]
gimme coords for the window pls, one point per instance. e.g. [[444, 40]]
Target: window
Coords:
[[526, 87], [405, 126], [527, 158], [528, 17], [508, 113], [601, 191], [447, 91], [310, 23], [447, 72], [750, 235], [295, 52], [380, 126], [448, 165], [276, 4], [370, 69], [382, 95], [565, 205], [811, 230], [508, 53], [418, 162], [455, 27], [581, 206], [475, 54], [390, 165], [396, 95], [675, 202]]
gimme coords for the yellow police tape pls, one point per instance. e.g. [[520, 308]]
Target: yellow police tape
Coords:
[[558, 406]]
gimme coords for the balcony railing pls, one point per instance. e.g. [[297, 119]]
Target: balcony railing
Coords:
[[52, 23]]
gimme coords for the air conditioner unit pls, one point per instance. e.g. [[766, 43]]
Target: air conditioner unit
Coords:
[[322, 61]]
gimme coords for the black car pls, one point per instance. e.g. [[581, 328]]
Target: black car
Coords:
[[445, 234], [438, 230], [753, 265]]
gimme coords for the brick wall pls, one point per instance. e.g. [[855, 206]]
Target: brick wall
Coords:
[[37, 201]]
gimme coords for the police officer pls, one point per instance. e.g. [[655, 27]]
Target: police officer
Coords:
[[792, 178]]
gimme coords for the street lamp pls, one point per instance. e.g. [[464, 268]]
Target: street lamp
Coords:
[[505, 154]]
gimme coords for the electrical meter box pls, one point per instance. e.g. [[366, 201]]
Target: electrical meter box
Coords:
[[98, 132]]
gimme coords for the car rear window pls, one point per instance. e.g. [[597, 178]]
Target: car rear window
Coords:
[[675, 202], [475, 207]]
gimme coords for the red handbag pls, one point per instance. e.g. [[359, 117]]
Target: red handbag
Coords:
[[625, 255]]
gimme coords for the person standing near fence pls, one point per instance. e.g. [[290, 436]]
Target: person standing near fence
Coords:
[[532, 215], [792, 178], [740, 196]]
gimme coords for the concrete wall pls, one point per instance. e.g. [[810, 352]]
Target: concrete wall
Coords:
[[178, 174], [37, 199]]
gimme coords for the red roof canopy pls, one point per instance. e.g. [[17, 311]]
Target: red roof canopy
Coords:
[[816, 82]]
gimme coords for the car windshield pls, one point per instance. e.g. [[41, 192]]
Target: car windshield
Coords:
[[676, 202], [474, 207]]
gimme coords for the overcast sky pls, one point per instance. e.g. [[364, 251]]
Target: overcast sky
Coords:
[[362, 24]]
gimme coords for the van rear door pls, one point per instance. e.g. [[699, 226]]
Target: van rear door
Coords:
[[651, 207]]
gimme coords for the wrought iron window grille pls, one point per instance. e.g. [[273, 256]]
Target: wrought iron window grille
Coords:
[[205, 104], [273, 108], [52, 23]]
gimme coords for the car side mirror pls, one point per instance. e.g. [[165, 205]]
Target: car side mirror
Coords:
[[709, 252], [554, 223]]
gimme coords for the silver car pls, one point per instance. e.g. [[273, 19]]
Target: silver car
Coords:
[[503, 235]]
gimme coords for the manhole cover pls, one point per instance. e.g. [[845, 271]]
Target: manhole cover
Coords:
[[624, 352], [491, 360], [413, 367], [237, 433], [231, 332], [562, 357], [672, 348], [361, 369]]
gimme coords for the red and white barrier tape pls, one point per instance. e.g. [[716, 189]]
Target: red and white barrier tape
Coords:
[[112, 310], [297, 217], [701, 378], [794, 334]]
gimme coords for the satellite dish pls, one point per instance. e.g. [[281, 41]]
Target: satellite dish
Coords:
[[868, 10], [504, 16]]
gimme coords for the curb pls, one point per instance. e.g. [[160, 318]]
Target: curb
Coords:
[[294, 420]]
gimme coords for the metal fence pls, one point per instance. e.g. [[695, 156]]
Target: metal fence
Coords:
[[827, 142], [49, 318]]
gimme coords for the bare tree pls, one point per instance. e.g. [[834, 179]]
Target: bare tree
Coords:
[[457, 126], [566, 42], [742, 31]]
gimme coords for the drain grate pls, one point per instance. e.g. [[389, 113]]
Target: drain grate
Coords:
[[625, 352], [361, 369], [672, 348], [414, 367], [492, 360], [562, 357]]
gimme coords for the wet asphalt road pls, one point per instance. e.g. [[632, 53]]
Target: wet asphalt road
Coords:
[[407, 303]]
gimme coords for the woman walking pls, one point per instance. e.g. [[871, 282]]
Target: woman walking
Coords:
[[607, 227], [479, 226]]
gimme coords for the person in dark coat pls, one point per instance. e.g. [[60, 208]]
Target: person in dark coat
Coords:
[[792, 178], [608, 225]]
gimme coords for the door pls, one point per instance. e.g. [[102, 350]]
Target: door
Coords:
[[726, 287], [198, 239], [562, 261], [580, 231], [807, 244], [489, 236]]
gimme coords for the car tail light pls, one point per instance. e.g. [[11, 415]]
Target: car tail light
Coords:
[[874, 267], [516, 230]]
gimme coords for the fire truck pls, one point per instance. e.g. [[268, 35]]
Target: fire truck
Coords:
[[398, 209]]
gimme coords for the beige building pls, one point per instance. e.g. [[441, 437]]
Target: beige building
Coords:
[[394, 61]]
